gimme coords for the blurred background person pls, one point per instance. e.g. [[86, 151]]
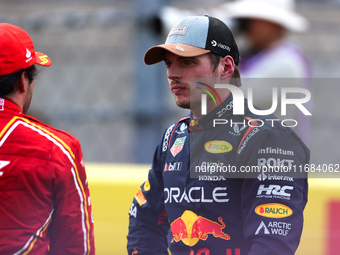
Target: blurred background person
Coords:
[[266, 49], [263, 31]]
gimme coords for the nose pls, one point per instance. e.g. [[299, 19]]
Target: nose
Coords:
[[174, 72]]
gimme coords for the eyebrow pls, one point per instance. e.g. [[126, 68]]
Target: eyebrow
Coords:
[[180, 58]]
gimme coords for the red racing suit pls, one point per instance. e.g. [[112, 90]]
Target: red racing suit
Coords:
[[45, 201]]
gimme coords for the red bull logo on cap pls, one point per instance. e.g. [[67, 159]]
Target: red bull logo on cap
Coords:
[[190, 228]]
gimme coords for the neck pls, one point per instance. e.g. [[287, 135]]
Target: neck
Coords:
[[16, 100]]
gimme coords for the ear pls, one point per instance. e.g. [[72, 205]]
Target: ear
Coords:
[[23, 83], [228, 67]]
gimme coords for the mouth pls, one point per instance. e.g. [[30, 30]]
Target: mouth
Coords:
[[177, 89]]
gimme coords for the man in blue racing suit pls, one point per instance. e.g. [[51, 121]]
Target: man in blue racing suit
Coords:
[[220, 183]]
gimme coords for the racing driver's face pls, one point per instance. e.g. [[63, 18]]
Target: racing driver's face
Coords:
[[180, 71]]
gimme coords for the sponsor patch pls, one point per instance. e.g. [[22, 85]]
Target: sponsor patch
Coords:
[[274, 228], [237, 129], [274, 191], [218, 146], [179, 48], [166, 138], [133, 210], [28, 55], [176, 166], [193, 123], [2, 104], [279, 151], [263, 177], [44, 60], [246, 140], [140, 197], [177, 146], [182, 129], [227, 108], [190, 228], [178, 30], [281, 164], [3, 163], [182, 195], [220, 45], [273, 210], [211, 178]]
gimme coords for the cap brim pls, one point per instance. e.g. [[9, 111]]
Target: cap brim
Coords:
[[157, 53], [42, 59]]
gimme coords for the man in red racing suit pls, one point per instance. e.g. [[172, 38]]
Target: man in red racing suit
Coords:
[[45, 203]]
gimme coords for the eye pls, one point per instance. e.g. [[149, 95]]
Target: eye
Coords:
[[188, 62], [167, 64]]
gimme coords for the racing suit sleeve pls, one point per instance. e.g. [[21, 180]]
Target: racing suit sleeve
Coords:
[[148, 226], [71, 230], [273, 200]]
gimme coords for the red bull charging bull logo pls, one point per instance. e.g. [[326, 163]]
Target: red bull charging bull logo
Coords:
[[190, 228]]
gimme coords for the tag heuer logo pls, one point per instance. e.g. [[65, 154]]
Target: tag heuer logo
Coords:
[[177, 146]]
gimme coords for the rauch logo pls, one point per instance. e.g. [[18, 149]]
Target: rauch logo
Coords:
[[273, 210]]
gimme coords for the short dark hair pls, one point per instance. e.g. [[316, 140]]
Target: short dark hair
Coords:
[[9, 82], [215, 60], [235, 78]]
